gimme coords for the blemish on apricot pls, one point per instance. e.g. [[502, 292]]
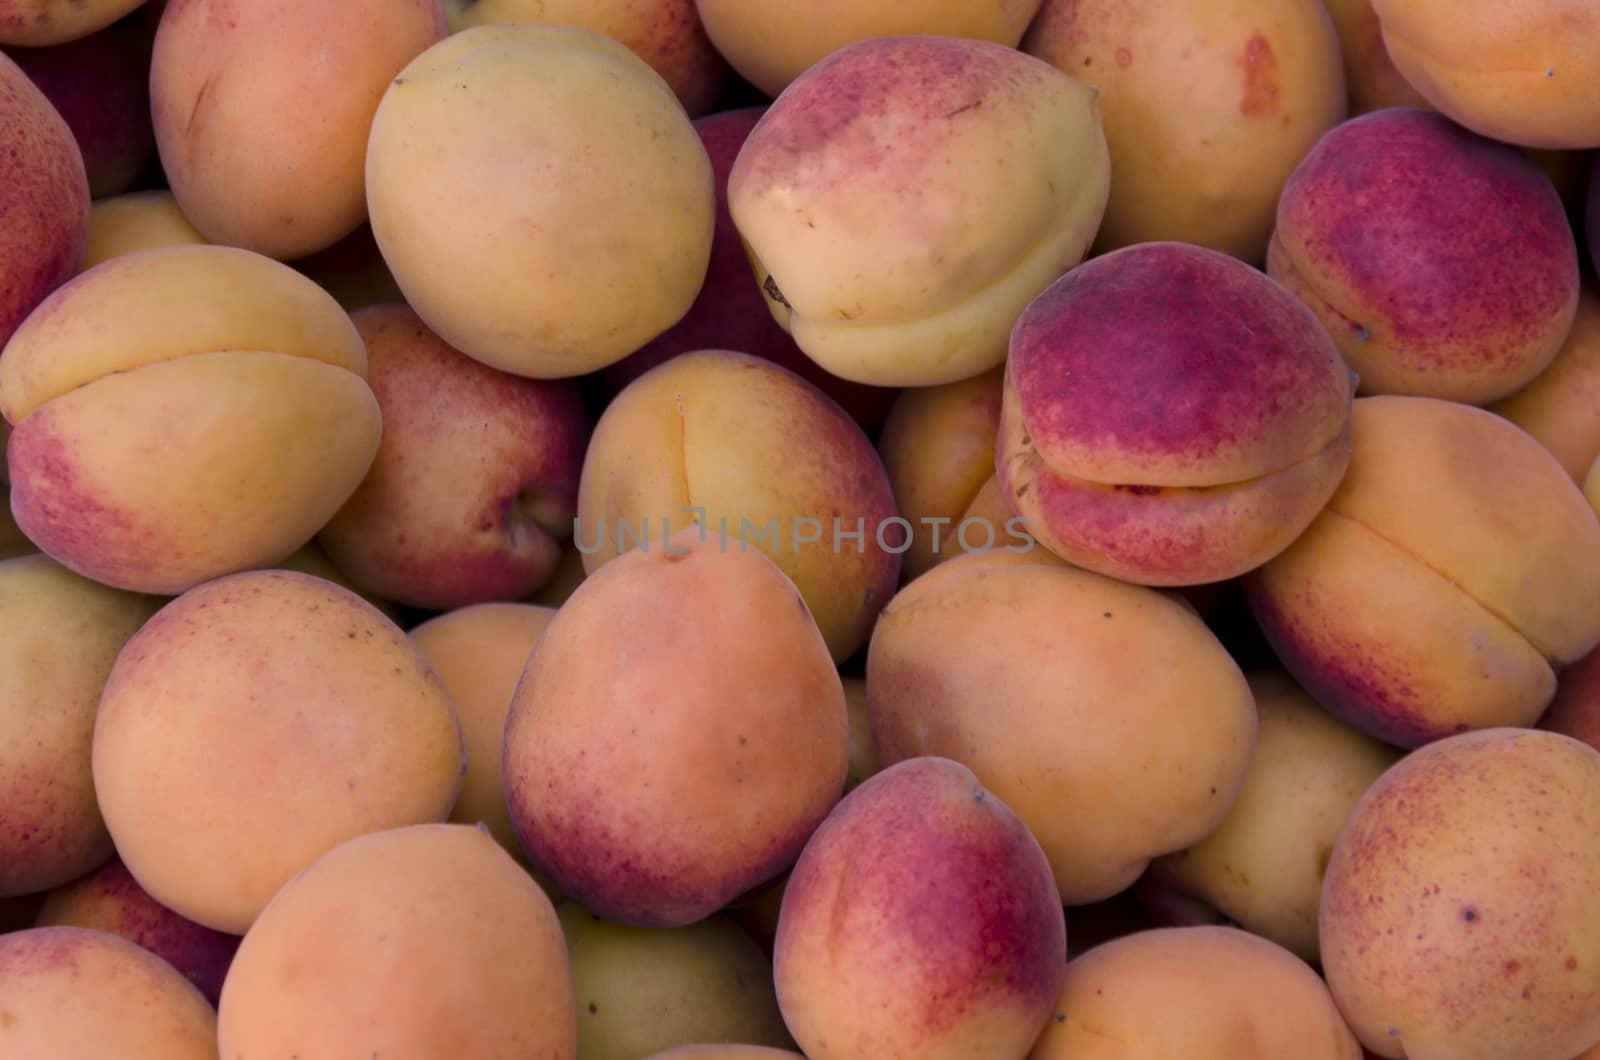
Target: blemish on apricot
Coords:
[[1124, 58], [1260, 71]]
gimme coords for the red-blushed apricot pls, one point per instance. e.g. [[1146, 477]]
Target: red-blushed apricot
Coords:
[[1519, 71], [475, 483], [1557, 408], [758, 459], [730, 312], [181, 413], [1171, 416], [100, 84], [938, 446], [44, 213], [1455, 565], [679, 732], [1441, 262], [410, 943], [771, 43], [110, 899], [1208, 105], [1575, 709], [1059, 688], [667, 34], [254, 723], [74, 992], [1461, 909], [920, 921], [1202, 993], [896, 289], [59, 639]]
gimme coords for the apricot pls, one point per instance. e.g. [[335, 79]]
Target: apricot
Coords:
[[100, 84], [1557, 407], [73, 992], [44, 214], [40, 23], [642, 990], [479, 653], [938, 446], [730, 312], [920, 921], [1202, 993], [891, 289], [564, 580], [181, 413], [110, 899], [1208, 106], [1396, 230], [475, 483], [1575, 709], [1521, 72], [771, 43], [409, 944], [1171, 416], [758, 459], [262, 112], [1262, 867], [256, 722], [863, 754], [1459, 914], [1370, 76], [667, 34], [677, 735], [615, 232], [1457, 563], [725, 1052], [1062, 688], [137, 220], [59, 636]]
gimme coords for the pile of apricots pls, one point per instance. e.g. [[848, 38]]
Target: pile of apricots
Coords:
[[758, 530]]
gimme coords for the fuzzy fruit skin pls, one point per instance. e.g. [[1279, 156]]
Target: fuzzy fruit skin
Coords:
[[1397, 230], [771, 43], [44, 214], [921, 921], [1483, 845], [1518, 71], [1206, 992], [430, 941], [667, 34], [79, 992], [730, 312], [1171, 416], [617, 230], [678, 734], [1444, 583], [264, 147], [1208, 106], [475, 483], [891, 289]]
